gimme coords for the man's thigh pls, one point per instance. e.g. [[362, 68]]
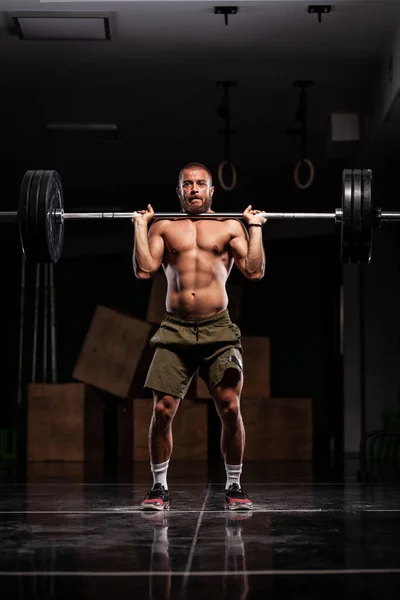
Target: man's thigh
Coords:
[[171, 371], [223, 368]]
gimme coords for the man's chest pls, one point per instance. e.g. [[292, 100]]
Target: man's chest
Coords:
[[206, 235]]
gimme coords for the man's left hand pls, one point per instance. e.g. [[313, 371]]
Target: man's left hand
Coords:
[[253, 217]]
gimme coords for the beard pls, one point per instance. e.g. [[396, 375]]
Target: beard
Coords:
[[195, 209]]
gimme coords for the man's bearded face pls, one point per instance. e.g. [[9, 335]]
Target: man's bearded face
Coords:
[[195, 191]]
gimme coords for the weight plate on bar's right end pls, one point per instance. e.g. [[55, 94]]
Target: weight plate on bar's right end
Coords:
[[367, 217], [356, 252], [346, 230]]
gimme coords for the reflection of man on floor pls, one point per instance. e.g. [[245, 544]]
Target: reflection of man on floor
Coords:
[[235, 587], [159, 585]]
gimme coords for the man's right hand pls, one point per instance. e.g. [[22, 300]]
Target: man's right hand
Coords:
[[143, 216]]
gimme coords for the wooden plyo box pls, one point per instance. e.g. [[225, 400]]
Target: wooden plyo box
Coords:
[[256, 366], [111, 351], [65, 423], [277, 429], [189, 430]]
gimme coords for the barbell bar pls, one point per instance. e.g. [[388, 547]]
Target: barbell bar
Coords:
[[181, 216], [8, 217], [61, 216], [41, 217]]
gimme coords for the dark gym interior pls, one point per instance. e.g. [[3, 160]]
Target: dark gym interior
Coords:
[[116, 97]]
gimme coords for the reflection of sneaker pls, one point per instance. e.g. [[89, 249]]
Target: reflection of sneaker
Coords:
[[237, 517], [234, 523], [157, 518], [156, 499], [236, 498]]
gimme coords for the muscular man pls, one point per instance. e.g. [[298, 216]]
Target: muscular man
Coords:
[[197, 333]]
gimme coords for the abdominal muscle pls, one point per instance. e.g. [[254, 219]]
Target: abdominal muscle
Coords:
[[196, 284]]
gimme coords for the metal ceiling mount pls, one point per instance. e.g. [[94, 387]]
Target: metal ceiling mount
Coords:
[[226, 10], [319, 9]]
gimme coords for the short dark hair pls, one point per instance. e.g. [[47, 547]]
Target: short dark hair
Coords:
[[194, 165]]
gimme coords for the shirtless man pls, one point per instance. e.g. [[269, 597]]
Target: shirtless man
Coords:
[[197, 333]]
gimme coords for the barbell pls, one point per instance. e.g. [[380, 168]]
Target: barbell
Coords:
[[41, 217]]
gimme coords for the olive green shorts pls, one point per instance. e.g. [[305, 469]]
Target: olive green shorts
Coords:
[[184, 347]]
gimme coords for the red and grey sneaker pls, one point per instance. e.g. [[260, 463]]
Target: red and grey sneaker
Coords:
[[156, 499], [236, 498]]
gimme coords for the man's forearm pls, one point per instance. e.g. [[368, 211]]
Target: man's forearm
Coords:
[[255, 261], [143, 262]]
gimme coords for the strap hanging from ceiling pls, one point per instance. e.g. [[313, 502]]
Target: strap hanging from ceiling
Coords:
[[301, 117], [224, 112]]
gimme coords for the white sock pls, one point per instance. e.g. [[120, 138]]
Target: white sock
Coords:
[[234, 542], [161, 535], [160, 545], [233, 473], [160, 473]]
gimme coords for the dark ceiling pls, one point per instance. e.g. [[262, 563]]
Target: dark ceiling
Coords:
[[156, 81]]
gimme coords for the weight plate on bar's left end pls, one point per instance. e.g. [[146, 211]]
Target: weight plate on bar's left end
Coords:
[[51, 232], [367, 217], [346, 229], [23, 211], [42, 236]]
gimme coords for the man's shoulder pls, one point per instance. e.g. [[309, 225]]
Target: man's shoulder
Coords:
[[234, 226], [157, 226], [237, 227]]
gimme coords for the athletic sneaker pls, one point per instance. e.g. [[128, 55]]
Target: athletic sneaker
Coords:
[[156, 499], [236, 498]]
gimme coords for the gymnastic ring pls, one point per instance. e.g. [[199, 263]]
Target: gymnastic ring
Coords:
[[222, 183], [304, 186]]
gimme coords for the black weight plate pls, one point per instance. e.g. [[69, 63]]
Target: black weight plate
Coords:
[[23, 211], [50, 232], [367, 220], [346, 229], [33, 215], [357, 216], [28, 213], [40, 196]]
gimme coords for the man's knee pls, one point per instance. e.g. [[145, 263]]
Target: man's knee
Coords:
[[230, 411], [227, 402], [164, 409]]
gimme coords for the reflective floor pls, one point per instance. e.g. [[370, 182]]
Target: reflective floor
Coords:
[[66, 535]]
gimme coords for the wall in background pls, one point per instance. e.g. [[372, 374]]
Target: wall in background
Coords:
[[295, 303], [380, 287]]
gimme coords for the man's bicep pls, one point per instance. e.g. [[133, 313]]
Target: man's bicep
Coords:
[[156, 243], [239, 245]]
